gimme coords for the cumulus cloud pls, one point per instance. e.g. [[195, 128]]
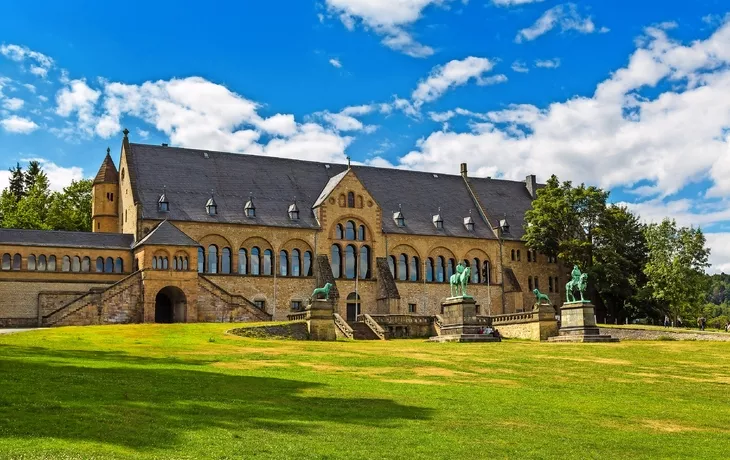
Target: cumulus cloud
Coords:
[[519, 66], [346, 120], [388, 18], [719, 244], [38, 63], [80, 99], [336, 63], [452, 74], [58, 176], [620, 135], [548, 63], [18, 125], [13, 103], [565, 16]]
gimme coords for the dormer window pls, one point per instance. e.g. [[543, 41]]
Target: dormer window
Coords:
[[162, 204], [400, 221], [249, 209], [438, 221], [294, 211], [211, 207], [469, 224]]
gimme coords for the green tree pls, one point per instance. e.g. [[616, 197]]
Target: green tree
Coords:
[[675, 269], [71, 209], [17, 182], [33, 174], [31, 210]]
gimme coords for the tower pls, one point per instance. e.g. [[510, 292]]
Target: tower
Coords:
[[104, 196]]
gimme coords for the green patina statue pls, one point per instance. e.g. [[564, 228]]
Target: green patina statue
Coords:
[[325, 291], [539, 297], [578, 281], [459, 280]]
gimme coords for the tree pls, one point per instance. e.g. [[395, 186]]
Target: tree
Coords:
[[675, 268], [17, 182], [33, 174], [71, 209], [30, 212]]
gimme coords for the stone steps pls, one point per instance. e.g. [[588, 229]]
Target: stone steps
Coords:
[[361, 331]]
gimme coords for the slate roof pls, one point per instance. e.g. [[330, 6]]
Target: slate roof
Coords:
[[188, 177], [504, 199], [166, 234], [108, 173], [48, 238]]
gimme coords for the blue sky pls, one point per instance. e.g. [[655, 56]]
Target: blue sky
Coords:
[[631, 96]]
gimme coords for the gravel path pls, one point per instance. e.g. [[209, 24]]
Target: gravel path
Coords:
[[642, 334], [10, 331]]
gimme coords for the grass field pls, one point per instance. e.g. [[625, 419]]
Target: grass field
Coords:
[[191, 391]]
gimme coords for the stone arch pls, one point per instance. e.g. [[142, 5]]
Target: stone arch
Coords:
[[441, 251], [295, 243], [171, 305], [261, 243], [358, 220], [406, 249], [216, 239]]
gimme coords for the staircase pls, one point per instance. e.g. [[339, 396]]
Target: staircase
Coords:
[[361, 331]]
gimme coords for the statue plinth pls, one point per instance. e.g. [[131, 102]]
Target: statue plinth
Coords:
[[460, 322], [578, 324], [320, 324]]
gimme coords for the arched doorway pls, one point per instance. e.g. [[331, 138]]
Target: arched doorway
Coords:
[[170, 305], [353, 306]]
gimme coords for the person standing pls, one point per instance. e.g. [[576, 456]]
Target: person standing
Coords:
[[666, 321]]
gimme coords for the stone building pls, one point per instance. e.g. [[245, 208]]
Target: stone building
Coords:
[[183, 235]]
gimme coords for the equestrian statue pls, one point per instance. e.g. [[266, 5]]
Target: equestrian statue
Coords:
[[459, 280], [578, 281]]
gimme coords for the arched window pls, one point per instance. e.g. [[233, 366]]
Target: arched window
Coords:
[[414, 270], [76, 264], [350, 261], [255, 261], [109, 265], [165, 263], [86, 264], [226, 261], [66, 264], [212, 258], [537, 283], [51, 264], [307, 269], [391, 265], [99, 265], [429, 269], [557, 289], [476, 276], [31, 262], [336, 262], [42, 263], [518, 255], [6, 261], [529, 255], [296, 260], [350, 200], [449, 269], [550, 284], [350, 230], [513, 254], [185, 263], [487, 272], [529, 283], [201, 260], [267, 262], [361, 233], [174, 263], [365, 262], [403, 267], [242, 262], [119, 265], [283, 263], [440, 270], [18, 262], [339, 233], [154, 263]]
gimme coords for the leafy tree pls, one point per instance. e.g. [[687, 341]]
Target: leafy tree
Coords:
[[675, 268], [71, 209], [17, 182], [30, 212], [33, 174]]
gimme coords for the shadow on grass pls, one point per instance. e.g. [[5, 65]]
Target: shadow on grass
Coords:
[[143, 403]]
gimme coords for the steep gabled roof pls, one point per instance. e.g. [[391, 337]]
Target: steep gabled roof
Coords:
[[108, 173], [331, 185], [166, 234], [55, 238]]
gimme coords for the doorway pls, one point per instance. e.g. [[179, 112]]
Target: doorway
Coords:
[[170, 305], [353, 307]]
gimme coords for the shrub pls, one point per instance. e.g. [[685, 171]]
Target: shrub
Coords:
[[718, 323]]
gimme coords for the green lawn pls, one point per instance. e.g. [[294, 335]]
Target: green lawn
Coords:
[[191, 391]]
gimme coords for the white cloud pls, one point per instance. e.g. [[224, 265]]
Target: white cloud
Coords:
[[619, 136], [345, 120], [514, 2], [452, 74], [29, 87], [519, 66], [719, 244], [43, 98], [336, 63], [387, 18], [58, 176], [18, 125], [39, 63], [565, 16], [80, 99], [548, 63], [13, 103], [143, 134]]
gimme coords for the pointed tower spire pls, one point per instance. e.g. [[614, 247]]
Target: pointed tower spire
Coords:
[[108, 173]]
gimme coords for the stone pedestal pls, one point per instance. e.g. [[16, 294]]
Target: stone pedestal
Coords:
[[321, 324], [578, 324], [460, 322]]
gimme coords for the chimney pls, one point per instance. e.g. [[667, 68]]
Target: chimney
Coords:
[[531, 184], [463, 170]]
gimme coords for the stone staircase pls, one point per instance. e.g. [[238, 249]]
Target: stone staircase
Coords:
[[361, 331], [222, 306]]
